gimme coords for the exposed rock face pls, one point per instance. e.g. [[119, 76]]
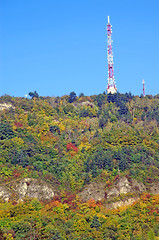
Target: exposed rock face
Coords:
[[154, 189], [94, 191], [87, 103], [124, 186], [28, 187], [121, 203], [97, 191], [5, 106], [34, 188], [138, 187], [4, 193]]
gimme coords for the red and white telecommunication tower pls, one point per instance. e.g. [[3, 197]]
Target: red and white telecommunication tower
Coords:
[[111, 88]]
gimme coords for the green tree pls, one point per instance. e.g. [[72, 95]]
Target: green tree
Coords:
[[95, 222], [34, 94], [6, 131], [72, 97], [100, 99], [81, 95]]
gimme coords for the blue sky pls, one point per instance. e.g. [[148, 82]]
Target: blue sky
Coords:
[[59, 46]]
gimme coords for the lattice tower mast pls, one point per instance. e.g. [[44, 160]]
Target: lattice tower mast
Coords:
[[111, 88]]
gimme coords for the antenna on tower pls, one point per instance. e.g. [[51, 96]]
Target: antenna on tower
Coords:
[[111, 88], [143, 82], [108, 19]]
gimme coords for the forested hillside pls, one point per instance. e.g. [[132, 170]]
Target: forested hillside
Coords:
[[70, 142]]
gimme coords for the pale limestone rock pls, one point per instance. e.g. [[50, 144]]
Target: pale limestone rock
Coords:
[[124, 185], [5, 106], [34, 188], [4, 193], [28, 187], [87, 103], [113, 193], [97, 191], [154, 189], [138, 187], [22, 189], [94, 191], [121, 203]]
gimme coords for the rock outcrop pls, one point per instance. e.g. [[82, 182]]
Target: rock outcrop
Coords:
[[4, 193], [125, 186], [97, 191], [121, 203], [28, 187], [154, 189], [5, 106], [123, 193], [34, 188], [128, 188], [94, 191]]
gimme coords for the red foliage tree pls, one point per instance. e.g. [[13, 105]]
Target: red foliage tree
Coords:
[[71, 146]]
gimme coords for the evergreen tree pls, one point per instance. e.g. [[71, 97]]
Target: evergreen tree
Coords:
[[72, 97], [95, 222]]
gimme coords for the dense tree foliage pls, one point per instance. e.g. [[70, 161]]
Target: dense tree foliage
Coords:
[[34, 94], [66, 217], [107, 132], [72, 97], [70, 141]]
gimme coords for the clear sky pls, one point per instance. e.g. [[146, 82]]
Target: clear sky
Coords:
[[59, 46]]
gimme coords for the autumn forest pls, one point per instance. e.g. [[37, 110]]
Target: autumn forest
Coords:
[[70, 142]]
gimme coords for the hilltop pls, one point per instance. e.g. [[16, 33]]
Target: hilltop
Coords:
[[101, 147]]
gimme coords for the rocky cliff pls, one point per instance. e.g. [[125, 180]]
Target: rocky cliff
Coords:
[[5, 106], [125, 192], [28, 187]]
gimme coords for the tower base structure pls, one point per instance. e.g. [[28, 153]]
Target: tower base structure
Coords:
[[111, 90]]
